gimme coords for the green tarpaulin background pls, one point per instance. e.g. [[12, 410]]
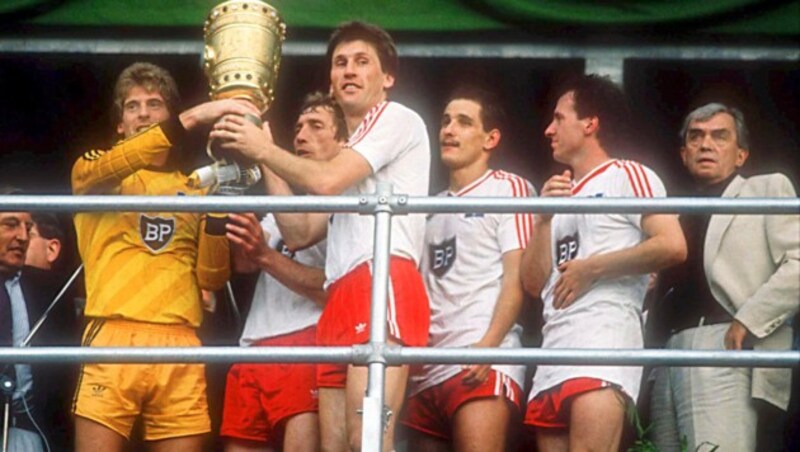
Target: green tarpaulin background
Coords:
[[748, 17]]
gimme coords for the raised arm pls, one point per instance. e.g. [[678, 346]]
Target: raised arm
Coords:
[[330, 177], [102, 171], [300, 229]]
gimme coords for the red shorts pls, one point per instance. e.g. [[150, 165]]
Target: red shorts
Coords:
[[550, 408], [346, 318], [259, 398], [432, 410]]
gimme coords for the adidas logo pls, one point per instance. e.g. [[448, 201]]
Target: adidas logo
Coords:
[[361, 327], [98, 390]]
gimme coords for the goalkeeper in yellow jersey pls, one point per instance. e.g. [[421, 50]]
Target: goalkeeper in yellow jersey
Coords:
[[144, 271]]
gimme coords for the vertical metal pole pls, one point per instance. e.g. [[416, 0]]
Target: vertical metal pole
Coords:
[[7, 387], [373, 415]]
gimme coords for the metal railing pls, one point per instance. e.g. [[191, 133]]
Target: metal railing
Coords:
[[377, 354], [606, 59]]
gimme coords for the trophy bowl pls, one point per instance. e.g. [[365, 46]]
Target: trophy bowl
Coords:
[[243, 40], [242, 54]]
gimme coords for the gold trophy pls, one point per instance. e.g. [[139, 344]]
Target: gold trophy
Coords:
[[242, 55]]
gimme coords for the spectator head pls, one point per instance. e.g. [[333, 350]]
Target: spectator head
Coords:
[[46, 239], [715, 142], [14, 236]]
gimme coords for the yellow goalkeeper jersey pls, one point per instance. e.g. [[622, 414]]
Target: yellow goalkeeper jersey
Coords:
[[150, 266]]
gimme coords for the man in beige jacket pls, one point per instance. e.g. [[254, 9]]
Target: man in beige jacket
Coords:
[[739, 289]]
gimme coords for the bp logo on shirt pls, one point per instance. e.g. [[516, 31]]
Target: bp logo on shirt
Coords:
[[567, 248], [442, 256], [156, 232], [283, 249]]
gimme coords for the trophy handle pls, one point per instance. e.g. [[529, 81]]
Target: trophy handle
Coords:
[[210, 144]]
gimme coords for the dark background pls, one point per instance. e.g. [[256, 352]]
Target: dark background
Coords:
[[55, 107]]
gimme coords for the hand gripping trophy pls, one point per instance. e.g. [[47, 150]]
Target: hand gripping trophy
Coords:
[[243, 41]]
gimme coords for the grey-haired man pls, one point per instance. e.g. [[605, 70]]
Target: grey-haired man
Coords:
[[738, 289]]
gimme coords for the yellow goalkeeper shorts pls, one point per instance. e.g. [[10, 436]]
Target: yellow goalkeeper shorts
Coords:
[[170, 398]]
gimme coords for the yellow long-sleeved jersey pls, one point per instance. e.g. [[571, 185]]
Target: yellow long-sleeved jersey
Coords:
[[144, 266]]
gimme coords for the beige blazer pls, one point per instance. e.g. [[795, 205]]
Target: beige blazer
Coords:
[[752, 263]]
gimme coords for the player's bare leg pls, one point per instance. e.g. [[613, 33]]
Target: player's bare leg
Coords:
[[302, 433], [596, 420], [246, 445], [552, 440], [396, 379], [332, 426], [193, 443], [421, 442], [91, 436], [482, 424]]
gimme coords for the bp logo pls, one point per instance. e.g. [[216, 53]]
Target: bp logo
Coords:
[[283, 249], [156, 232], [442, 256], [567, 248]]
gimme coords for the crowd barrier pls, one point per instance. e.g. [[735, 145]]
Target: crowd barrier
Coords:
[[377, 354]]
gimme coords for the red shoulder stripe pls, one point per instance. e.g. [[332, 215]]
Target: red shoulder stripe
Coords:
[[594, 173], [369, 122], [648, 190], [522, 221], [632, 180]]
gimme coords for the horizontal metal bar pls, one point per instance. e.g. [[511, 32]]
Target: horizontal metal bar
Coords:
[[602, 205], [13, 44], [398, 204], [586, 357], [582, 51], [37, 355], [64, 203], [395, 355]]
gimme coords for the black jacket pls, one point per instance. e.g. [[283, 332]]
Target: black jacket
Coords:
[[53, 384]]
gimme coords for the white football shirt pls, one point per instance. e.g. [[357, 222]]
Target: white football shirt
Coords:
[[608, 315], [393, 139], [463, 269], [276, 310]]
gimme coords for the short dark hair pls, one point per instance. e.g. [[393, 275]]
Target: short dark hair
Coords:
[[376, 36], [318, 99], [48, 225], [150, 77], [493, 116], [598, 96]]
